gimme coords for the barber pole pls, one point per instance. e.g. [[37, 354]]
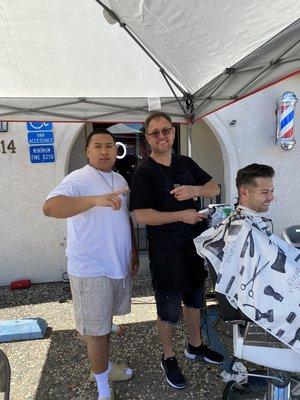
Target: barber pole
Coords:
[[285, 120]]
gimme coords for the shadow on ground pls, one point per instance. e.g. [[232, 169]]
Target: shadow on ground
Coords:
[[66, 370], [38, 293], [56, 368]]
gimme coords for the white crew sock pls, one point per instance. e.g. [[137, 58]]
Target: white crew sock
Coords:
[[109, 367], [102, 383]]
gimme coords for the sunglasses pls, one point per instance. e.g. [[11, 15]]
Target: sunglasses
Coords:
[[155, 134]]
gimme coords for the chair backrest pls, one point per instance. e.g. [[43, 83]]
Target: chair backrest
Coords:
[[5, 373], [226, 311], [292, 235]]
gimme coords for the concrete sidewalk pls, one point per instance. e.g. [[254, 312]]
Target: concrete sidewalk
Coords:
[[57, 368]]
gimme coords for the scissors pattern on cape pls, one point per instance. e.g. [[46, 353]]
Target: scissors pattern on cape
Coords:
[[255, 275]]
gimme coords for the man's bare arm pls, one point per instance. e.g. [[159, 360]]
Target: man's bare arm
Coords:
[[185, 192], [210, 189], [66, 207], [149, 216], [134, 252]]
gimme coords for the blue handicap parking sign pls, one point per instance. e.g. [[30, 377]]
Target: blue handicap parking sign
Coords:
[[39, 126], [42, 154], [40, 137]]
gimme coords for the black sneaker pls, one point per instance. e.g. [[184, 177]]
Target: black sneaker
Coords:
[[204, 353], [174, 376]]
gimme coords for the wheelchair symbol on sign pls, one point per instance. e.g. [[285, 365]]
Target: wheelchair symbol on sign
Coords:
[[39, 126]]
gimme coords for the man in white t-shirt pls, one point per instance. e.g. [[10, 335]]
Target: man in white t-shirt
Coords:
[[101, 245]]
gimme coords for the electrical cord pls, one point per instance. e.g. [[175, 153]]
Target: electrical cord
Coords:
[[66, 282]]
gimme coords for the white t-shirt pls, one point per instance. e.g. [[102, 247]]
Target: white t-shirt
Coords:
[[99, 239]]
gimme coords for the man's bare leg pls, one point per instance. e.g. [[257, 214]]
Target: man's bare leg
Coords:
[[173, 373], [98, 352], [192, 320], [197, 349], [165, 331]]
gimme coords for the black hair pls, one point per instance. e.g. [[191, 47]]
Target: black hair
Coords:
[[156, 115], [246, 176], [98, 131]]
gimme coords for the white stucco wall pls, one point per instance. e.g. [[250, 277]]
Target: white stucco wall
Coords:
[[31, 245], [252, 139]]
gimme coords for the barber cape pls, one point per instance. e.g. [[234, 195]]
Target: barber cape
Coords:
[[258, 272]]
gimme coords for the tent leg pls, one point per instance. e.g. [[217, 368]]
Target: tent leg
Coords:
[[189, 140]]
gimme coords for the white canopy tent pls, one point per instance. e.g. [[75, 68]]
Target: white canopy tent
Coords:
[[62, 60]]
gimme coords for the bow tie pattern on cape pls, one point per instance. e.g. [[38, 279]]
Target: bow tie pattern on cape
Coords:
[[258, 272]]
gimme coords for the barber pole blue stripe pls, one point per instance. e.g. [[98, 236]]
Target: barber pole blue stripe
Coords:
[[287, 121]]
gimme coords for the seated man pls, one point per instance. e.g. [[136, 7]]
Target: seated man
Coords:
[[257, 271]]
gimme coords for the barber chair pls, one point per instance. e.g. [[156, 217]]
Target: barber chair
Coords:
[[4, 375], [253, 344], [291, 235]]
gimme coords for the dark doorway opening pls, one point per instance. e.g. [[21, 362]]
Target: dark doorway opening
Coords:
[[133, 147]]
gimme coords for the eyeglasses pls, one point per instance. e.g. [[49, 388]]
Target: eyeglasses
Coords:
[[155, 134]]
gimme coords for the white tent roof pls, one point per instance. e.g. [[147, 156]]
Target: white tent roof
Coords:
[[61, 60]]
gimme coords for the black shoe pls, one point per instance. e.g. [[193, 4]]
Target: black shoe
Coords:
[[174, 376], [203, 352]]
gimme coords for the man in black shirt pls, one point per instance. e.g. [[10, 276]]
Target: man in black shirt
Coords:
[[164, 194]]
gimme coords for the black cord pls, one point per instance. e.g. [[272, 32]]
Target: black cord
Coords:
[[65, 277], [203, 314], [66, 282]]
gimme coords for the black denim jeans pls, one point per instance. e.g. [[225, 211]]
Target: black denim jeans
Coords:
[[168, 305]]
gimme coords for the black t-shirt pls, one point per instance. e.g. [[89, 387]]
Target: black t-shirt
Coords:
[[174, 262], [152, 183]]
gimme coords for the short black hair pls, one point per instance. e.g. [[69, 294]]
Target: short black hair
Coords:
[[98, 131], [246, 176], [156, 115]]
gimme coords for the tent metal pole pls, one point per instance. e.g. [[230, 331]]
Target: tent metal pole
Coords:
[[14, 110], [50, 114], [144, 110], [282, 60], [189, 101], [271, 64], [189, 139], [128, 31], [173, 91], [227, 73]]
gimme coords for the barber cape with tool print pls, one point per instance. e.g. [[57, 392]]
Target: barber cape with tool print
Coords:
[[258, 272]]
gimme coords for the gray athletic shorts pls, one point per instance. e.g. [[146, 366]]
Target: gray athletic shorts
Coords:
[[96, 300]]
